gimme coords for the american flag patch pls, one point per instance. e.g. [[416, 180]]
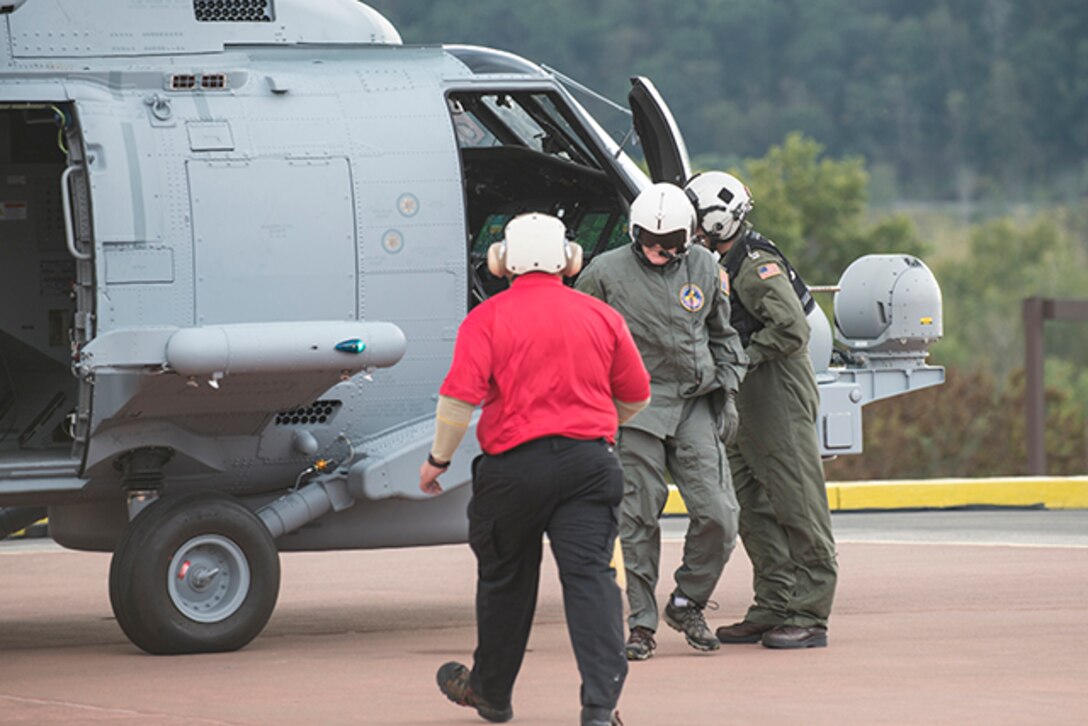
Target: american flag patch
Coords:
[[769, 270], [725, 281]]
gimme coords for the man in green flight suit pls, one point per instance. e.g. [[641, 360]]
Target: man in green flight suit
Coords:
[[672, 296], [785, 524]]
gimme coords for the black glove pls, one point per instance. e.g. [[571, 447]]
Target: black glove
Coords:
[[730, 419]]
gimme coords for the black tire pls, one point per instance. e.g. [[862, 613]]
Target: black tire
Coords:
[[165, 604]]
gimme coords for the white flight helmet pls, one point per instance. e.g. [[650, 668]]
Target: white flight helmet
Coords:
[[721, 203], [534, 243], [662, 214]]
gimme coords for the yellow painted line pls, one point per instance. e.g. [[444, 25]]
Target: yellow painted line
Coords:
[[617, 565], [675, 503], [22, 532], [1048, 492]]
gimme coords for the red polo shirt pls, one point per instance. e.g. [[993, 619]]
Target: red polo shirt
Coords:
[[545, 360]]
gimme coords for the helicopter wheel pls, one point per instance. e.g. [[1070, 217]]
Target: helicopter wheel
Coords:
[[196, 573]]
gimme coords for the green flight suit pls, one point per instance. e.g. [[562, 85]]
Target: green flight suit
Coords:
[[679, 317], [785, 524]]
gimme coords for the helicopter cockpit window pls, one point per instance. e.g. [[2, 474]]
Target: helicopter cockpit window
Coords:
[[590, 228], [515, 118], [470, 131], [528, 120], [600, 231], [526, 151], [490, 232], [617, 236], [559, 122]]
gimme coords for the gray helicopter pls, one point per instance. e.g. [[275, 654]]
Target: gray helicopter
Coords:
[[236, 240]]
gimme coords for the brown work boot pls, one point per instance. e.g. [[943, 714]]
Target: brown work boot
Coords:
[[793, 636], [743, 632], [640, 645], [453, 681]]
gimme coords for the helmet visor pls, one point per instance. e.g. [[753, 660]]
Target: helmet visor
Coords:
[[674, 240]]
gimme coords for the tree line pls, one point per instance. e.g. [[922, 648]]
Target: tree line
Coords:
[[967, 100]]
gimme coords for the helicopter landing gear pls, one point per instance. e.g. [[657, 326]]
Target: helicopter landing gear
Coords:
[[196, 573]]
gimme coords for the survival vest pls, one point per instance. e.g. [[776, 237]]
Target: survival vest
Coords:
[[743, 321]]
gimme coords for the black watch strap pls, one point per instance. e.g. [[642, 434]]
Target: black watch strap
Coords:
[[436, 463]]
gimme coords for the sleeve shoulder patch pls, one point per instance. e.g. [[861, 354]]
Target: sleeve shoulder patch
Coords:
[[725, 281], [768, 270]]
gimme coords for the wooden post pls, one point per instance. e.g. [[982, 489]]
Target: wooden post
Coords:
[[1037, 311], [1034, 363]]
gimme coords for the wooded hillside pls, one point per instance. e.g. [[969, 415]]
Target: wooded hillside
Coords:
[[944, 99]]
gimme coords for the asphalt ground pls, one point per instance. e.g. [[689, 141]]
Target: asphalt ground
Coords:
[[969, 617]]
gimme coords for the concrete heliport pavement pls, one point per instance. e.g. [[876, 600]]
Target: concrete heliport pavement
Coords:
[[968, 617]]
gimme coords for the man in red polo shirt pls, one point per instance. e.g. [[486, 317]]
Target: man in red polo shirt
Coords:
[[556, 371]]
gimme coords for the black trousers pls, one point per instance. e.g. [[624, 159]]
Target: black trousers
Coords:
[[571, 490]]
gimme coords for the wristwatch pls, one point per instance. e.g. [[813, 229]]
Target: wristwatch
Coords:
[[436, 463]]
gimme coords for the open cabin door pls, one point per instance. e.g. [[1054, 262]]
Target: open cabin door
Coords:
[[662, 143], [46, 281]]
